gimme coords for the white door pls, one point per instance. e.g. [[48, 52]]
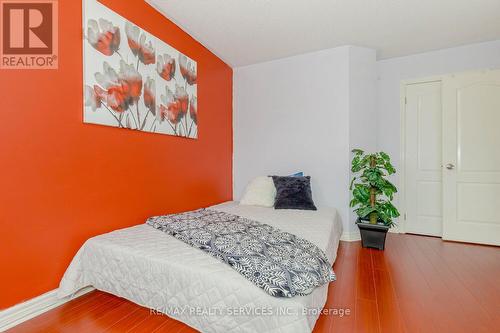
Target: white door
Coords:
[[471, 157], [423, 154]]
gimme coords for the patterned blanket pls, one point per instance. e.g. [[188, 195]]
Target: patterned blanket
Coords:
[[282, 264]]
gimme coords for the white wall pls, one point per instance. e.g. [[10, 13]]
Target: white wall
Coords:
[[392, 71], [362, 105], [293, 114]]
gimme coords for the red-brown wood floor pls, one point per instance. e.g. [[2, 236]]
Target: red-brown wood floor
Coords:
[[418, 284]]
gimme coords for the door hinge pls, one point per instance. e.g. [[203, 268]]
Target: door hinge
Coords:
[[406, 101], [404, 216]]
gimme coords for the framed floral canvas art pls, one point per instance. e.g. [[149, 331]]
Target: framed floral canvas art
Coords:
[[134, 80]]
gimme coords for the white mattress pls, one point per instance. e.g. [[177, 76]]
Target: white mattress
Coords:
[[155, 270]]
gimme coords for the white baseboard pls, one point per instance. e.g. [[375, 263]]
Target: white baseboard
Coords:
[[36, 306], [396, 230], [350, 236]]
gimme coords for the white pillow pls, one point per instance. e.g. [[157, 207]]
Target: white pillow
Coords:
[[259, 192]]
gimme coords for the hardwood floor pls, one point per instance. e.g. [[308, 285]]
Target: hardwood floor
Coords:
[[418, 284]]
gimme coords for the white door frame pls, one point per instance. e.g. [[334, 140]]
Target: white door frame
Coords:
[[401, 228]]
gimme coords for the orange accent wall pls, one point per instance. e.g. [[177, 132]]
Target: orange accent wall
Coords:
[[62, 181]]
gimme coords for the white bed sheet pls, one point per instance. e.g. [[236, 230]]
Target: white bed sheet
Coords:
[[158, 271]]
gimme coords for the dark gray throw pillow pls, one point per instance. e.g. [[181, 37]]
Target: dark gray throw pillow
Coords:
[[293, 193]]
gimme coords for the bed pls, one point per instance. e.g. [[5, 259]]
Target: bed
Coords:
[[160, 272]]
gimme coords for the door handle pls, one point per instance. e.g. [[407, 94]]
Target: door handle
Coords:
[[450, 166]]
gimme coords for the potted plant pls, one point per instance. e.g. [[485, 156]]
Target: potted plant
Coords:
[[372, 194]]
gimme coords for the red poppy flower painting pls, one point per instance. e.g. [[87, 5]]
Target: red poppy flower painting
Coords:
[[140, 47], [150, 95], [133, 80], [188, 69], [193, 111], [166, 67], [103, 36]]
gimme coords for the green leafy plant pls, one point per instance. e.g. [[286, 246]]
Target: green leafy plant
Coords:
[[372, 193]]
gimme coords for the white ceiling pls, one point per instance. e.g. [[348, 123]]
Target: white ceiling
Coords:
[[243, 32]]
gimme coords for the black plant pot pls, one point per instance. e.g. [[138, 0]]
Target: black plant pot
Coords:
[[372, 235]]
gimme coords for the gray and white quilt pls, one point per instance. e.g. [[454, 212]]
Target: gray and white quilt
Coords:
[[281, 263]]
